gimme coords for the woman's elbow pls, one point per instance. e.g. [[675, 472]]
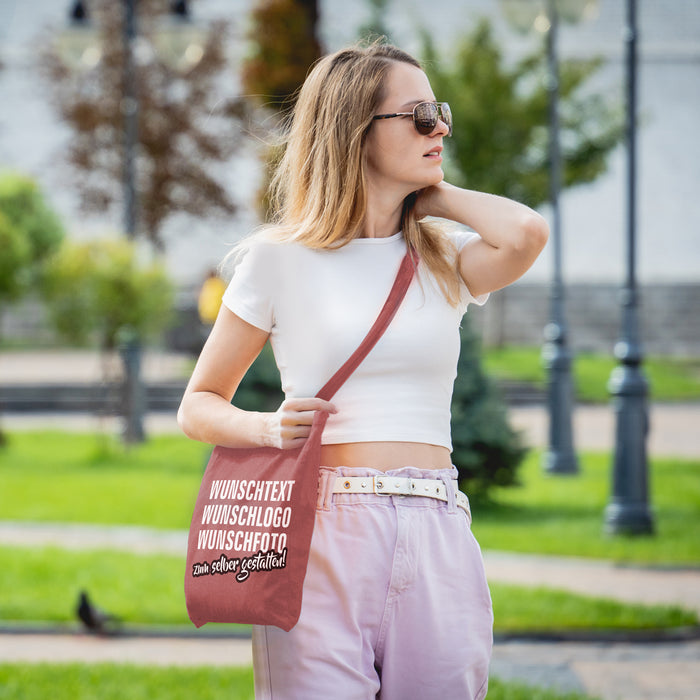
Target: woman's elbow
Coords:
[[184, 418], [534, 233], [528, 238]]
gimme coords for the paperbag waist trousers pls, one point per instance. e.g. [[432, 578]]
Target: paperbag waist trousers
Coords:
[[396, 604]]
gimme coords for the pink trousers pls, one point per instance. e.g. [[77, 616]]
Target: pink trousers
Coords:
[[395, 606]]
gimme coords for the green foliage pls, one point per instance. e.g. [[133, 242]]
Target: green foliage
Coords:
[[260, 389], [30, 231], [284, 42], [14, 260], [500, 140], [486, 450], [102, 288]]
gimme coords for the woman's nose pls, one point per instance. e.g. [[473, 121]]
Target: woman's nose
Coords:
[[441, 128]]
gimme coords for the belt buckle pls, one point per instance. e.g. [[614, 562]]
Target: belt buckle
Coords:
[[388, 486], [379, 485]]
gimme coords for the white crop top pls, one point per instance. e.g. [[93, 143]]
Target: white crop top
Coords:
[[318, 305]]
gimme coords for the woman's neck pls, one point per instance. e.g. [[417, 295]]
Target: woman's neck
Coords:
[[382, 221]]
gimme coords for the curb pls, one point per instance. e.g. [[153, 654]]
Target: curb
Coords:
[[590, 636]]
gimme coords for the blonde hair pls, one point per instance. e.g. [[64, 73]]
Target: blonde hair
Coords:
[[318, 193]]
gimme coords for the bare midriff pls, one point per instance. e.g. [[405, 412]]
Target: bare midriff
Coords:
[[386, 455]]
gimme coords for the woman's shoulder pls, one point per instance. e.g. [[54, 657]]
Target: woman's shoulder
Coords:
[[261, 247]]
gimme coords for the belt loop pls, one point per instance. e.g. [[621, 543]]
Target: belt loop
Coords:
[[450, 488], [326, 484]]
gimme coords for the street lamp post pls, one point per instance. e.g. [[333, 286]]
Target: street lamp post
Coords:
[[560, 458], [130, 111], [545, 15], [628, 511]]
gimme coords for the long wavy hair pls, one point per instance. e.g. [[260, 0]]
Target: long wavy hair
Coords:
[[318, 193]]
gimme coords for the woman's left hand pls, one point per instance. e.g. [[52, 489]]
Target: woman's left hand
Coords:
[[427, 200]]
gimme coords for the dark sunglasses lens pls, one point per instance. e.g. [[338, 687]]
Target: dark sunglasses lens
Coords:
[[425, 117]]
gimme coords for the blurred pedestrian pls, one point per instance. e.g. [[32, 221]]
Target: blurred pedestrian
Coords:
[[209, 299], [395, 603]]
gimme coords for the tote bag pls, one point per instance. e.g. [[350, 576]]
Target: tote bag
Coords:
[[248, 544]]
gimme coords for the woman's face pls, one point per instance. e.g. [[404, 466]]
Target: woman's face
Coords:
[[398, 158]]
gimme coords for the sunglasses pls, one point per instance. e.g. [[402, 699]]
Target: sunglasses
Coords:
[[425, 116]]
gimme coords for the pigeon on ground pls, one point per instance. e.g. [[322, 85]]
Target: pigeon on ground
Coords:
[[95, 620]]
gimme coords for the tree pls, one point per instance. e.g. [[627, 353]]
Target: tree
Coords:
[[186, 120], [101, 291], [285, 44], [29, 233], [486, 450], [499, 143]]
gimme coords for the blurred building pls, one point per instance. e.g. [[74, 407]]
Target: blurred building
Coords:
[[593, 216]]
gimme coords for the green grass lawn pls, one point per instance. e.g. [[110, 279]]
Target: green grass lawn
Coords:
[[564, 515], [670, 379], [42, 585], [117, 682], [122, 682], [50, 476], [66, 477]]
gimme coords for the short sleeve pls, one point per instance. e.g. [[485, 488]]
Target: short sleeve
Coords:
[[250, 293], [460, 238]]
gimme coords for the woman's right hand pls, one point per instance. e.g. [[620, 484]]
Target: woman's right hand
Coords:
[[290, 425]]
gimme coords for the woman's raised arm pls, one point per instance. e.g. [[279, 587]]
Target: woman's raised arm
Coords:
[[512, 234]]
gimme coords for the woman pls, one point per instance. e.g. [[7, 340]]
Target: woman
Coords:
[[395, 599]]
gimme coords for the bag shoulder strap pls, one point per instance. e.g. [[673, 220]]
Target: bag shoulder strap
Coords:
[[391, 306]]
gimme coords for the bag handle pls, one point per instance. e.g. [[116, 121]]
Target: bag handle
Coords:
[[391, 306]]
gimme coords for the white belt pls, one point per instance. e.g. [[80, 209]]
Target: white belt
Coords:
[[400, 486]]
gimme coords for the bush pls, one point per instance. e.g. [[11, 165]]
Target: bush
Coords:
[[29, 233], [15, 256], [260, 389], [486, 450], [102, 289], [23, 204]]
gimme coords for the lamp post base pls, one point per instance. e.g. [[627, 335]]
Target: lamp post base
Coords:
[[561, 462], [628, 511], [560, 457], [628, 519]]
